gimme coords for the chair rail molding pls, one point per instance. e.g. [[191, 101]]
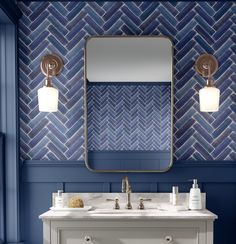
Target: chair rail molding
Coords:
[[76, 171]]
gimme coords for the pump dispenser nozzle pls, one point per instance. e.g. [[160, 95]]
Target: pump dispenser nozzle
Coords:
[[195, 185]]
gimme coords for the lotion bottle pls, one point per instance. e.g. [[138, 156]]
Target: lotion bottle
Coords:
[[174, 195], [59, 199], [195, 200]]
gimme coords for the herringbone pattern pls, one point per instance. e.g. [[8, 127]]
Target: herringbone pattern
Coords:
[[129, 117], [194, 27]]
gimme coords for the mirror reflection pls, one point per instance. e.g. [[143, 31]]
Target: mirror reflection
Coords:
[[128, 118]]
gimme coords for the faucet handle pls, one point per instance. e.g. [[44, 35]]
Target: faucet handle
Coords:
[[116, 200], [141, 204]]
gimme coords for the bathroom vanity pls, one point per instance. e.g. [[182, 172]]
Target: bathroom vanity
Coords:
[[105, 225]]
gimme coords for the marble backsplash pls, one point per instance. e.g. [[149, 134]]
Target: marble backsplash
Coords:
[[99, 200]]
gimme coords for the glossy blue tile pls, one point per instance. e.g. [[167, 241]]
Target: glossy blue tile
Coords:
[[194, 27]]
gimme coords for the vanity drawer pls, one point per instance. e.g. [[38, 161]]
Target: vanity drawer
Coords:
[[128, 236], [68, 233]]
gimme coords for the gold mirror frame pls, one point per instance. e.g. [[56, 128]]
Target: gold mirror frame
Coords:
[[86, 117]]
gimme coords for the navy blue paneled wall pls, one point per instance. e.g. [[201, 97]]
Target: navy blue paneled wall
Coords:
[[40, 179], [2, 191], [194, 27]]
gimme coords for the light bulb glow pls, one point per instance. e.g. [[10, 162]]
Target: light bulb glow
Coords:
[[48, 99], [209, 99]]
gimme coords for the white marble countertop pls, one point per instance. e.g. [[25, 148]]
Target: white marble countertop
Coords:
[[128, 214], [104, 210]]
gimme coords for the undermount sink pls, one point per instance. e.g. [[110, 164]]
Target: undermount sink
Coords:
[[123, 211], [148, 211], [174, 208]]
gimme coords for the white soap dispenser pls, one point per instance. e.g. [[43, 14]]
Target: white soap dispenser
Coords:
[[195, 199]]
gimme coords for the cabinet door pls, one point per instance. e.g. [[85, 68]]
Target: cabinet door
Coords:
[[127, 236]]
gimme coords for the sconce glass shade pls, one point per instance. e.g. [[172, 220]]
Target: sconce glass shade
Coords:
[[48, 99], [209, 99]]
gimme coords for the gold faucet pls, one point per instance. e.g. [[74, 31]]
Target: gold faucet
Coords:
[[126, 188]]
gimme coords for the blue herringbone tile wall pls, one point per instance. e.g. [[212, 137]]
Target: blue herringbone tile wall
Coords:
[[129, 117], [194, 27]]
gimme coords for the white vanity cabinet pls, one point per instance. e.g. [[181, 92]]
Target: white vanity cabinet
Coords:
[[134, 231], [105, 225]]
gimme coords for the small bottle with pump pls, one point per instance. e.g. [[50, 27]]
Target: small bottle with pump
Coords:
[[195, 199], [59, 200]]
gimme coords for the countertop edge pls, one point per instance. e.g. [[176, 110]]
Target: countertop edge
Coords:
[[203, 215]]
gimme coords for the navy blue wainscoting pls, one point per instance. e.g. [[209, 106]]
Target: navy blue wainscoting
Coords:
[[41, 178], [2, 191]]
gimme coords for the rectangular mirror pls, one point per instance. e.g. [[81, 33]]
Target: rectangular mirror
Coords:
[[128, 104]]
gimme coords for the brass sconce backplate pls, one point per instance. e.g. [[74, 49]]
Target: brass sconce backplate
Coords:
[[52, 64], [204, 62]]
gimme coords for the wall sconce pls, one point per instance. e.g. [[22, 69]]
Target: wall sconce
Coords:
[[209, 96], [51, 65]]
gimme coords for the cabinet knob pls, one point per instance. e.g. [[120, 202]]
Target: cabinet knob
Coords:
[[169, 239], [88, 238]]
